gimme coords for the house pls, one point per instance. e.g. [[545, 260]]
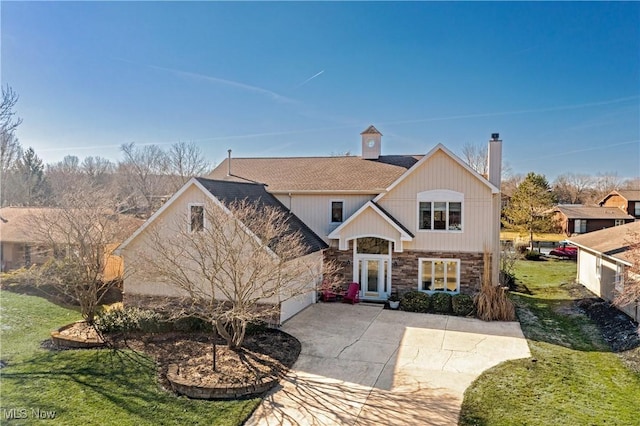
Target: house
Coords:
[[22, 243], [190, 204], [575, 219], [393, 223], [603, 258], [18, 245], [627, 200]]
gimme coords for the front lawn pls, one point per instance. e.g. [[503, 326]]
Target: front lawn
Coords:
[[88, 387], [572, 378]]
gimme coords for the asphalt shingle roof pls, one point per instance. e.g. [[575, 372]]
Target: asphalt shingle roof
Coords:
[[610, 241], [590, 212], [347, 173], [230, 191]]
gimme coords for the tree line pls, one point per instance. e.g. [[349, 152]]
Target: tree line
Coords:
[[137, 183]]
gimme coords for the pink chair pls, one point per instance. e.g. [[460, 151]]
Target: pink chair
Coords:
[[352, 294]]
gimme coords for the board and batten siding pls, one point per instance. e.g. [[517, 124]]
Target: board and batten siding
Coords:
[[315, 210], [441, 172], [370, 223]]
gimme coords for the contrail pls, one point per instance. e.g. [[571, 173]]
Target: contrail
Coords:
[[273, 95], [309, 79]]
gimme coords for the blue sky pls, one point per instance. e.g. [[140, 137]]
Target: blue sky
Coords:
[[559, 81]]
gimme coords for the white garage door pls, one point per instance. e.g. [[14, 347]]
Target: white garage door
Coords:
[[294, 305]]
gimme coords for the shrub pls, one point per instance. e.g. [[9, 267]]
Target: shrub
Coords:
[[462, 304], [441, 303], [130, 319], [532, 255], [415, 301]]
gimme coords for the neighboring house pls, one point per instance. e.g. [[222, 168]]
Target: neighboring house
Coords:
[[393, 223], [603, 257], [627, 200], [188, 204], [20, 245], [575, 219]]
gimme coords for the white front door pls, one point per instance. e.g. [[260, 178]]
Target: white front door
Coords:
[[374, 277]]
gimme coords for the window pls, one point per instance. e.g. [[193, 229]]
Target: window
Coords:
[[337, 208], [580, 226], [619, 283], [440, 210], [445, 216], [619, 222], [196, 217], [637, 208], [437, 275]]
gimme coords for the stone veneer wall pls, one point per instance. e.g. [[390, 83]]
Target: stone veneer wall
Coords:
[[404, 269]]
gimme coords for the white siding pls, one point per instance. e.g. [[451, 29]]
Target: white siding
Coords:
[[438, 173], [315, 210], [587, 271], [369, 223], [603, 284]]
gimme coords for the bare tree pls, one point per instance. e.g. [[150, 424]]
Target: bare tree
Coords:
[[571, 188], [630, 293], [185, 161], [10, 149], [603, 183], [81, 235], [476, 157], [233, 267], [145, 168]]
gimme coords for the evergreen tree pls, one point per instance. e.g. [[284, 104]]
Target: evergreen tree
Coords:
[[530, 206], [30, 179]]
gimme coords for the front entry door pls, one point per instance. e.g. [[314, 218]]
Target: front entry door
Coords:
[[374, 278]]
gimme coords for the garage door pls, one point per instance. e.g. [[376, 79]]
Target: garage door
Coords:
[[294, 305]]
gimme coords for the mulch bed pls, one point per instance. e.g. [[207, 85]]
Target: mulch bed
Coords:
[[264, 355]]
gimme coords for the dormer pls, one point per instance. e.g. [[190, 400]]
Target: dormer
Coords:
[[371, 143]]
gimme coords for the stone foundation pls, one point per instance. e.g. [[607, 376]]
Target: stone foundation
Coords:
[[404, 269]]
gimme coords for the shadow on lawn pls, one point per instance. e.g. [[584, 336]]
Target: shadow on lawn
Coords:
[[117, 376]]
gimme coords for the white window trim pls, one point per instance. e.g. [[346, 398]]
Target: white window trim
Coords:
[[421, 261], [440, 195], [204, 216], [331, 211]]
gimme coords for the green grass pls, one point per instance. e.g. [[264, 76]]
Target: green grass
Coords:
[[572, 377], [89, 387]]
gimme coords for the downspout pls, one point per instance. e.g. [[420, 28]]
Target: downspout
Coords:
[[229, 163]]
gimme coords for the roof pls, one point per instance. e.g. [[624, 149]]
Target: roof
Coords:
[[577, 211], [612, 242], [16, 223], [228, 192], [628, 194], [331, 174], [371, 130]]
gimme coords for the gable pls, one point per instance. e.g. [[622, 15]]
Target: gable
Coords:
[[371, 221], [203, 191]]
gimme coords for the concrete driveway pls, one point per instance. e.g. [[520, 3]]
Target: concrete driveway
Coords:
[[362, 365]]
